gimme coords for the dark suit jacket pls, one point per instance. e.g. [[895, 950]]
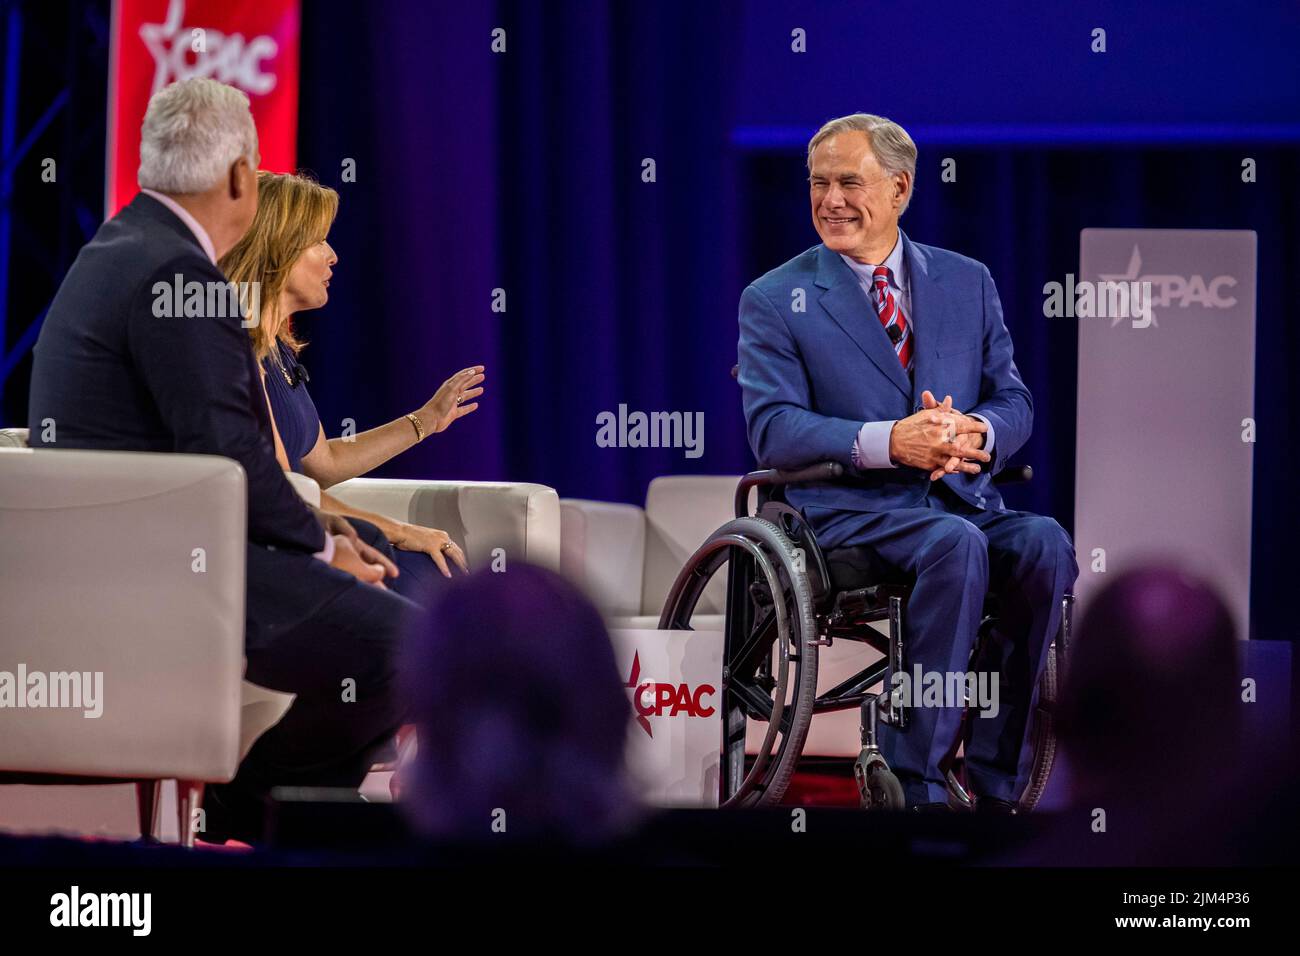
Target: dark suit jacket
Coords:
[[114, 375]]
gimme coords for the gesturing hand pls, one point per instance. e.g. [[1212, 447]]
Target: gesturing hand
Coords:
[[928, 440], [450, 401], [965, 440]]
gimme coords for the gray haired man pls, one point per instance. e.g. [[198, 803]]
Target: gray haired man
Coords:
[[114, 371]]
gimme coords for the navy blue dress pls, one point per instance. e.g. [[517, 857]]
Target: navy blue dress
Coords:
[[299, 426]]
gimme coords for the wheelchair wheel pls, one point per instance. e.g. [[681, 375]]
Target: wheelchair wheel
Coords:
[[769, 665], [878, 786], [1043, 734]]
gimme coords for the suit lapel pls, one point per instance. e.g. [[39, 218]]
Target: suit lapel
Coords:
[[848, 305], [930, 320]]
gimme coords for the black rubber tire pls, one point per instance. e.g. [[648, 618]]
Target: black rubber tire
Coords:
[[878, 787], [802, 632], [1044, 734]]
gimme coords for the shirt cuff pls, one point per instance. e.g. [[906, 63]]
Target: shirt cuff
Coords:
[[988, 435], [326, 553], [871, 447]]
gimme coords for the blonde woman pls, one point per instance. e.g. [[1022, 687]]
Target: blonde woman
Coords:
[[287, 254]]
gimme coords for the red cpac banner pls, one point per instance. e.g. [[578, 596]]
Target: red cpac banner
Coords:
[[250, 44]]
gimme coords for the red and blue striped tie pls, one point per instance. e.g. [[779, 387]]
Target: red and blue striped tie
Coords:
[[891, 316]]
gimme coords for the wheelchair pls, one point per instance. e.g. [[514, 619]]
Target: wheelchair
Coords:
[[785, 599]]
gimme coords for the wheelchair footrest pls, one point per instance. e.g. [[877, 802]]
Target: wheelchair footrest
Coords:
[[862, 602]]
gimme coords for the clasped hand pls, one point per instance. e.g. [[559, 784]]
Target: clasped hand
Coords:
[[939, 439], [351, 554]]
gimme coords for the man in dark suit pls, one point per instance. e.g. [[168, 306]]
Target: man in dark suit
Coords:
[[843, 351], [143, 350]]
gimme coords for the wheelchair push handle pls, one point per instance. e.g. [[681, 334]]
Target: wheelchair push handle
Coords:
[[1014, 475], [773, 477]]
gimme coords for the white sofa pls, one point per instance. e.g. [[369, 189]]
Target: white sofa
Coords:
[[494, 521], [99, 573], [626, 558]]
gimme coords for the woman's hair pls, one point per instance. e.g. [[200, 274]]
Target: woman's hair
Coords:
[[294, 212], [521, 711]]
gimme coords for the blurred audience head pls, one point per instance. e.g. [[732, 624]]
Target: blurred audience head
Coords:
[[1151, 703], [198, 141], [285, 255], [522, 714]]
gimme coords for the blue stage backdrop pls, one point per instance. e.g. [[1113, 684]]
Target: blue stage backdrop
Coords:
[[525, 171]]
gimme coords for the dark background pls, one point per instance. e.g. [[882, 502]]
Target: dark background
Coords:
[[522, 171]]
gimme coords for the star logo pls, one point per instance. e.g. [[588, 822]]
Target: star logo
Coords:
[[1134, 270], [226, 58], [633, 684]]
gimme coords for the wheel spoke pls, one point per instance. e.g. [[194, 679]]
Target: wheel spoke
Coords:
[[758, 642], [770, 667], [756, 703]]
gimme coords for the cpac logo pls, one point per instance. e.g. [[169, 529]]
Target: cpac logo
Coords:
[[227, 58], [1170, 289], [652, 699]]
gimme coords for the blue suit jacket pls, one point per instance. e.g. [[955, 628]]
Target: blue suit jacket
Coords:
[[811, 377]]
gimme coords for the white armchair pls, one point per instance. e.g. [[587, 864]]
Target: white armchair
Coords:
[[510, 520], [99, 574], [626, 557], [126, 570]]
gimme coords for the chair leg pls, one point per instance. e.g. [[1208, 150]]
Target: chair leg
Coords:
[[148, 794], [189, 797]]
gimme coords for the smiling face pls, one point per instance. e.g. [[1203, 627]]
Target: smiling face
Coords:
[[855, 204], [309, 279]]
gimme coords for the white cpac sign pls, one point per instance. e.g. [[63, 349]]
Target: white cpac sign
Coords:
[[1171, 289], [226, 58]]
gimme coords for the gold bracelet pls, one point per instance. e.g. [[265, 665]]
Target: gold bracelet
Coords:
[[419, 429]]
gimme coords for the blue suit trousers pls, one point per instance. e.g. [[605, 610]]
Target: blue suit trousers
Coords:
[[954, 554]]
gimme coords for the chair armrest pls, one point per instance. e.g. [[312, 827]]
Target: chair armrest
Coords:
[[306, 488], [519, 518], [830, 470], [1014, 475], [602, 550], [125, 569], [772, 477]]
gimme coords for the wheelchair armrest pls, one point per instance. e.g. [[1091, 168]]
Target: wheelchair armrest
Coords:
[[830, 470], [1014, 475], [772, 477]]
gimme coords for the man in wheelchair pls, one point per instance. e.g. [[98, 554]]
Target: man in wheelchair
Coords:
[[843, 351]]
